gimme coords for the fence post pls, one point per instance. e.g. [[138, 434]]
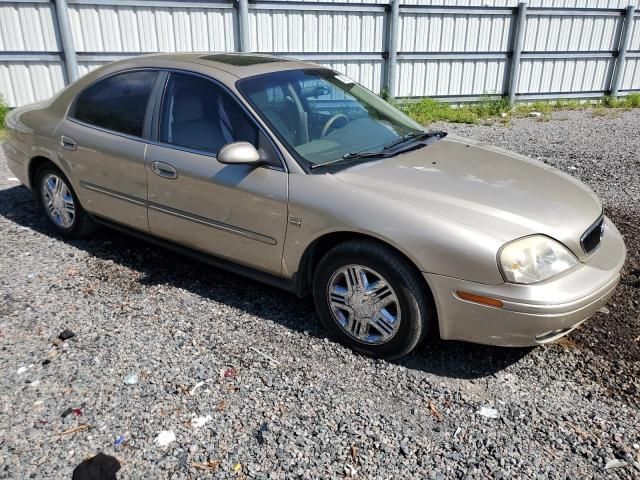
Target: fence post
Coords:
[[393, 18], [66, 38], [516, 49], [243, 24], [625, 40]]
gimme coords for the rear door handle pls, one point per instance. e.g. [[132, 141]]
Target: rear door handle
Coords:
[[68, 143], [164, 170]]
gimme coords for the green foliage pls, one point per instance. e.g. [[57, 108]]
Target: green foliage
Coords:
[[4, 109], [609, 101], [429, 110], [564, 104], [538, 106], [630, 101]]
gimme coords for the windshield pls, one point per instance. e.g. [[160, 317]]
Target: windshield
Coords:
[[322, 115]]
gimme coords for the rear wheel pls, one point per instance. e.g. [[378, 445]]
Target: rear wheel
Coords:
[[372, 300], [60, 204]]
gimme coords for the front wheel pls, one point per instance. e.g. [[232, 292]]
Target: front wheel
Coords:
[[372, 300]]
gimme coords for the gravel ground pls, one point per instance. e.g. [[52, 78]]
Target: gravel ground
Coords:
[[274, 398]]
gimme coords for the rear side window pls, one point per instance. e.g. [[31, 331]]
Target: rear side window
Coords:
[[118, 102]]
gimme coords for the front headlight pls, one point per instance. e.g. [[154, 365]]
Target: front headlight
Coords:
[[533, 259]]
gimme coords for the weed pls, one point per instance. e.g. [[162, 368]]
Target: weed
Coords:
[[4, 109], [429, 110], [632, 100]]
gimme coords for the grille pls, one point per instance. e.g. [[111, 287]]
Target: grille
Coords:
[[591, 238]]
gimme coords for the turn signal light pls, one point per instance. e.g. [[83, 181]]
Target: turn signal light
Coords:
[[492, 302]]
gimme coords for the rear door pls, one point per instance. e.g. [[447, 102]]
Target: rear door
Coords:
[[236, 212], [103, 142]]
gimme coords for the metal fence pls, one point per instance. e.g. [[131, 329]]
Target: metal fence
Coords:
[[450, 49]]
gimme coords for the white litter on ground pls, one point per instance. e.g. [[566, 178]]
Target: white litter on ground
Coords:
[[198, 422], [488, 412], [165, 437], [614, 464], [195, 387]]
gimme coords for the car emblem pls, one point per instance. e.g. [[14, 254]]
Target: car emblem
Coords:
[[295, 221]]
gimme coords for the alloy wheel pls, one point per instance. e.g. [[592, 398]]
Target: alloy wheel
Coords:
[[364, 304], [58, 201]]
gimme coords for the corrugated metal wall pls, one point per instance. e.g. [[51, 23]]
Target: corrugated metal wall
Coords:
[[431, 45], [151, 29], [442, 33], [29, 28]]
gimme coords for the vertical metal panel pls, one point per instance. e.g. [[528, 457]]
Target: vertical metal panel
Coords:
[[556, 33], [368, 73], [419, 78], [27, 27], [309, 31], [555, 76], [635, 33], [108, 28], [453, 33], [631, 77], [22, 83]]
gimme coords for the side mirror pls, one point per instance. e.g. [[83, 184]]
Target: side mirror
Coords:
[[239, 153]]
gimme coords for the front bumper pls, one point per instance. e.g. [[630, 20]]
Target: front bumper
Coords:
[[531, 314]]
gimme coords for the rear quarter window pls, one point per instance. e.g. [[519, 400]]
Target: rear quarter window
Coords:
[[117, 103]]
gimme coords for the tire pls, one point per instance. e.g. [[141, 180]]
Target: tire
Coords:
[[76, 225], [408, 301]]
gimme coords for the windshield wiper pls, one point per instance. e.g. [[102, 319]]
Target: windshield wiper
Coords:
[[414, 136], [384, 153], [398, 141], [351, 156]]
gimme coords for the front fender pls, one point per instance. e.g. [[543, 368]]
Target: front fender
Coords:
[[434, 243]]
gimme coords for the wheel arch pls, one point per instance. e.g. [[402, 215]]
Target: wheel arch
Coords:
[[34, 164], [321, 245]]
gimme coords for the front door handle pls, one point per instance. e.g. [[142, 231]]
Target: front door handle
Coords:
[[164, 170], [68, 143]]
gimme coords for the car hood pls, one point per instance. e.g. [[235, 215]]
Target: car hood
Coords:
[[499, 193]]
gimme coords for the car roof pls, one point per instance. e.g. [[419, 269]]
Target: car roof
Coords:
[[241, 65]]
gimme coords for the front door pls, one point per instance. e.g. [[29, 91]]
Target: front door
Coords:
[[102, 143], [236, 212]]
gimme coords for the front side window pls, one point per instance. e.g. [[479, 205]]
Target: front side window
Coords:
[[322, 115], [198, 114], [117, 103]]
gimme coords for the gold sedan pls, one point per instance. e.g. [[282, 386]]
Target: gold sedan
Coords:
[[298, 176]]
